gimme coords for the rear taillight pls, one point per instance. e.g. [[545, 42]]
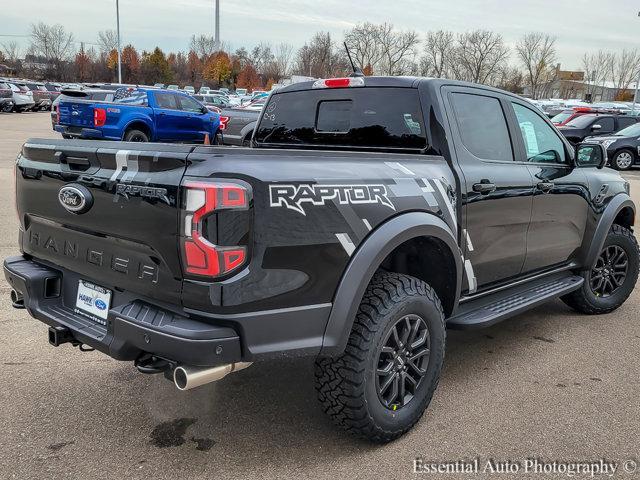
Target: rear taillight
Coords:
[[99, 117], [339, 82], [202, 200], [223, 122], [56, 113]]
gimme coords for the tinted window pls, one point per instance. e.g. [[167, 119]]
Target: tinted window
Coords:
[[188, 104], [581, 121], [606, 123], [166, 100], [389, 118], [542, 144], [632, 131], [625, 122], [483, 126]]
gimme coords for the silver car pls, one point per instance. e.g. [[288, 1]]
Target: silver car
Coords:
[[22, 98]]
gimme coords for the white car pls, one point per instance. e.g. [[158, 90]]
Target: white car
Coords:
[[189, 89], [173, 87], [22, 98]]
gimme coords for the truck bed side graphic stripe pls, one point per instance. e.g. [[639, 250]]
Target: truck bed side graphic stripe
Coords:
[[399, 167], [346, 243], [121, 162]]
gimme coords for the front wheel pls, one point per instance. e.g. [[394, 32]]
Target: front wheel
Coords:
[[383, 382], [622, 160], [613, 277], [134, 135]]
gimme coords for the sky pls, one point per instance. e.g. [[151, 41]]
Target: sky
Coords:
[[580, 25]]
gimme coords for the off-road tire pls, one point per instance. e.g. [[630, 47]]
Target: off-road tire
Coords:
[[584, 300], [346, 385], [135, 135]]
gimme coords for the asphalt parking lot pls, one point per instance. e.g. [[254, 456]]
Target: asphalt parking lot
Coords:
[[549, 384]]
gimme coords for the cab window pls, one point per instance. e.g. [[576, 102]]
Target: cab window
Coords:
[[542, 144]]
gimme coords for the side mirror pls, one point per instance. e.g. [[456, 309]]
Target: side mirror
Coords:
[[596, 127], [591, 155]]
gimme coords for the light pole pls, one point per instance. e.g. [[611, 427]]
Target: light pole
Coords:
[[119, 56], [635, 95], [217, 26]]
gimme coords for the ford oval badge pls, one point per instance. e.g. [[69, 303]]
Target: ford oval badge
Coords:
[[75, 198]]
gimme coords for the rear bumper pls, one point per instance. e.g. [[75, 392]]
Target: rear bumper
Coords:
[[132, 329], [79, 132]]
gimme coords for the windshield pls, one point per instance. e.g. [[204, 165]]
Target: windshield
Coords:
[[581, 122], [631, 131], [561, 117]]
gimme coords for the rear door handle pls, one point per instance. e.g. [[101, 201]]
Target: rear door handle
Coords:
[[546, 187], [485, 186]]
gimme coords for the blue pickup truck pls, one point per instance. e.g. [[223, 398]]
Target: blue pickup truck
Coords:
[[138, 115]]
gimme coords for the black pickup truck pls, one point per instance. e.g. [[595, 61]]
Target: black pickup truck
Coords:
[[370, 214]]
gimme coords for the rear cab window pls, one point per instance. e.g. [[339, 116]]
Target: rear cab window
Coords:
[[388, 118]]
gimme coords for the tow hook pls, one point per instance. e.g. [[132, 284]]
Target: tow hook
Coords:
[[60, 335], [17, 300]]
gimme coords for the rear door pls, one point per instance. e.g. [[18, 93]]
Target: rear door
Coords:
[[195, 121], [168, 116], [496, 190], [126, 236]]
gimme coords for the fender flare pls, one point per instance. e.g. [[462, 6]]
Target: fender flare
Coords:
[[617, 203], [366, 260]]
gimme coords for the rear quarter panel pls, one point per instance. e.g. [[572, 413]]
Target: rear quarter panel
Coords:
[[311, 211]]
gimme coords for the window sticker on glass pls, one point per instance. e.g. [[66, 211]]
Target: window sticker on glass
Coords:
[[412, 125], [529, 134]]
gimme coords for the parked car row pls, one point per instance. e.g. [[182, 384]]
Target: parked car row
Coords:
[[26, 95]]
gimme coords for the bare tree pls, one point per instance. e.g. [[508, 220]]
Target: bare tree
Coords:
[[398, 50], [364, 47], [624, 69], [261, 56], [107, 41], [597, 67], [479, 56], [320, 58], [203, 45], [278, 67], [537, 54], [438, 54], [53, 44], [11, 51]]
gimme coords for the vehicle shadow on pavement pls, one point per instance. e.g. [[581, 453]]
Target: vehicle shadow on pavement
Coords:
[[274, 403]]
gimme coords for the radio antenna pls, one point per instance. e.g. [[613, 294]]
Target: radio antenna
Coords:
[[356, 71]]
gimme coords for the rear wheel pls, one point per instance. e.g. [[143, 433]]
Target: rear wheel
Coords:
[[612, 279], [381, 385], [622, 160], [134, 135]]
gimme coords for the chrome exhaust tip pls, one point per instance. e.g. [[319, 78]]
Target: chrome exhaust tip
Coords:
[[186, 377], [17, 300]]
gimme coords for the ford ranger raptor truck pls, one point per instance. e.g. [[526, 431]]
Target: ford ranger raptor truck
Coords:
[[369, 215]]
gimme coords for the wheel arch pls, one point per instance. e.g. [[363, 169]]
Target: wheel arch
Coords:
[[622, 211], [390, 246], [138, 124]]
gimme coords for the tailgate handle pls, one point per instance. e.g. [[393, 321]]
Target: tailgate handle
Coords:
[[74, 163]]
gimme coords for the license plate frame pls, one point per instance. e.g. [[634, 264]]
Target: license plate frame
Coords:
[[93, 301]]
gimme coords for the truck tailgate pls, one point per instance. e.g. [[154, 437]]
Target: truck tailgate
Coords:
[[76, 113], [125, 236]]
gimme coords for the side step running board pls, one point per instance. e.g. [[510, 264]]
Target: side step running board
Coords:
[[492, 309]]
